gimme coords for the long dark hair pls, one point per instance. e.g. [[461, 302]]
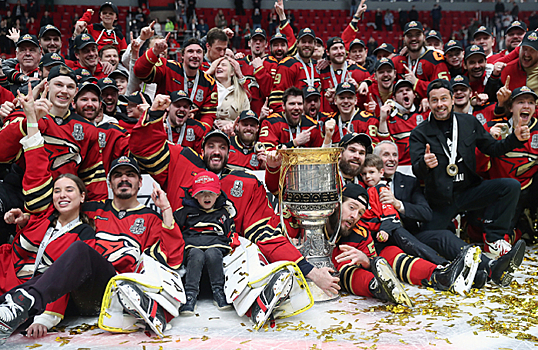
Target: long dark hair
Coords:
[[82, 189]]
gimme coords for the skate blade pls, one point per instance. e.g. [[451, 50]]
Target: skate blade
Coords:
[[465, 280], [278, 288], [386, 273]]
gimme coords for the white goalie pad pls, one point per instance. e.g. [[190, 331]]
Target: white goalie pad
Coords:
[[246, 277], [158, 282]]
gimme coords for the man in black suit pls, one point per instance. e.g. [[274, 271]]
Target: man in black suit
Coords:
[[443, 156], [407, 197]]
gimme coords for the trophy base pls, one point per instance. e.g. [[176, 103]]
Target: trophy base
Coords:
[[318, 294]]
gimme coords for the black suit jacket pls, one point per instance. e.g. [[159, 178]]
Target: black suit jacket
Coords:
[[439, 185], [416, 208]]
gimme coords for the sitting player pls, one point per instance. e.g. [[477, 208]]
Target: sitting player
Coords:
[[207, 227]]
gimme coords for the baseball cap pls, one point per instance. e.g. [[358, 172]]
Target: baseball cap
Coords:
[[383, 61], [401, 83], [413, 25], [28, 38], [524, 90], [88, 85], [320, 41], [249, 114], [48, 27], [483, 29], [205, 181], [111, 5], [179, 95], [531, 40], [216, 132], [356, 192], [345, 87], [452, 45], [474, 49], [121, 161], [51, 58], [83, 40], [434, 34], [444, 84], [119, 72], [310, 91], [460, 80], [384, 47], [259, 32], [107, 82], [85, 75], [279, 36], [356, 42], [517, 24], [306, 32], [361, 138], [62, 70], [136, 98], [333, 41]]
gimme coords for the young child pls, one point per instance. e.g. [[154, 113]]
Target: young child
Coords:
[[207, 230]]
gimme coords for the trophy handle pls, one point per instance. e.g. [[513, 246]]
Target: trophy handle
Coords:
[[333, 240], [283, 173]]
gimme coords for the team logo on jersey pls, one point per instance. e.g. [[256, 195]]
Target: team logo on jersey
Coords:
[[121, 214], [419, 69], [78, 132], [254, 160], [138, 227], [61, 152], [481, 118], [199, 95], [59, 120], [420, 119], [102, 139], [534, 141], [114, 247], [190, 135], [237, 189]]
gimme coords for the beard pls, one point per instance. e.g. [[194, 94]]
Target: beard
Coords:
[[246, 139], [348, 169], [215, 169]]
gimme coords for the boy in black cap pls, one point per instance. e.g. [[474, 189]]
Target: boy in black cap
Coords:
[[434, 40], [137, 103], [454, 55], [245, 152], [105, 32], [384, 50]]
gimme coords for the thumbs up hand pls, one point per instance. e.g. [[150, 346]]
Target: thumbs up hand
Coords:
[[429, 158]]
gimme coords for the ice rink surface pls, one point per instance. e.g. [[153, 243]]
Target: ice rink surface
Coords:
[[490, 318]]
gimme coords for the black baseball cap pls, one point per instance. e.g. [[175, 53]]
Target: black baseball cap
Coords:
[[259, 32], [531, 40], [136, 98], [111, 5], [517, 24], [483, 29], [310, 91], [319, 40], [345, 87], [50, 59], [384, 47], [216, 132], [179, 95], [306, 32], [434, 34], [85, 75], [249, 114], [107, 82], [361, 138], [357, 192], [356, 42], [333, 41], [47, 28], [413, 25], [444, 84], [473, 50], [460, 80], [453, 45], [401, 83], [383, 61], [524, 90], [124, 161], [192, 41], [28, 38], [83, 40], [279, 36], [119, 72], [62, 70], [88, 85]]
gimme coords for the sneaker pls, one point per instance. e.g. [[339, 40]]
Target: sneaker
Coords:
[[273, 294], [139, 305], [385, 285], [458, 276], [219, 299], [14, 312], [497, 248], [189, 308], [503, 268]]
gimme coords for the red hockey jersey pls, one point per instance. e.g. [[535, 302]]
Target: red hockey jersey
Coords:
[[241, 157], [275, 131]]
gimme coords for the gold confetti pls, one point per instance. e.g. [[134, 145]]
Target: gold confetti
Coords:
[[34, 346]]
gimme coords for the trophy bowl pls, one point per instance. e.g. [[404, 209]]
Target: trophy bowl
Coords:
[[311, 191]]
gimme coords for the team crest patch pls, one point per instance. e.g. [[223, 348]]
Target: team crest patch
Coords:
[[199, 96], [121, 214], [481, 118], [59, 120], [190, 135], [78, 132], [254, 161], [420, 119], [237, 189], [534, 141], [419, 69], [138, 227], [102, 139]]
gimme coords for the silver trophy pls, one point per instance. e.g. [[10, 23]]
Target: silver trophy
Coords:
[[311, 191]]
